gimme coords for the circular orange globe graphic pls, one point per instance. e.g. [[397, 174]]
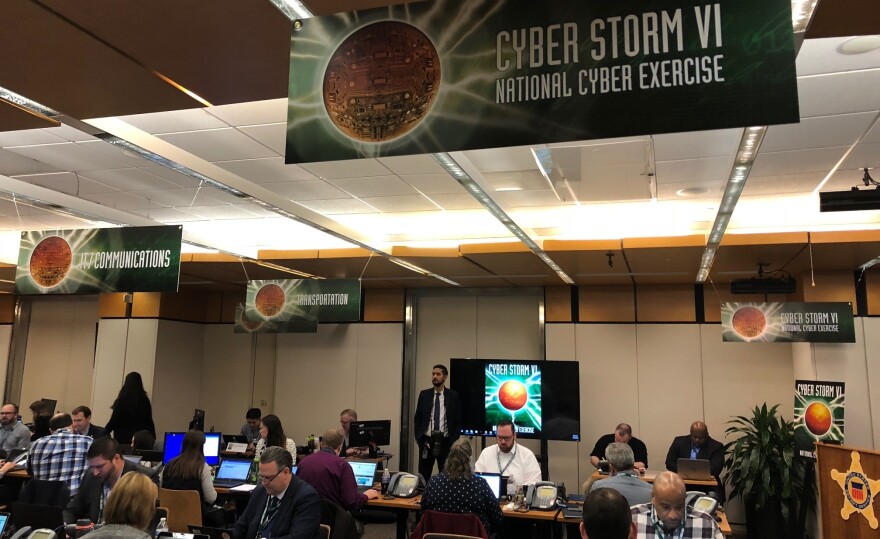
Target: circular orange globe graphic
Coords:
[[749, 322], [269, 300], [817, 417], [381, 81], [513, 395], [50, 261]]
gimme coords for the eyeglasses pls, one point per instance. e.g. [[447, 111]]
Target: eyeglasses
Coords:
[[267, 480], [7, 413], [505, 438], [344, 422], [99, 466]]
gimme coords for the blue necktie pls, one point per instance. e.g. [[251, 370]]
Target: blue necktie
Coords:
[[436, 411], [694, 452]]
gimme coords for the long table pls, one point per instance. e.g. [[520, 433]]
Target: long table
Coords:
[[651, 475]]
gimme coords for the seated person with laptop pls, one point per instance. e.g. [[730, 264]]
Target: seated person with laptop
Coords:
[[332, 476], [189, 471], [698, 445]]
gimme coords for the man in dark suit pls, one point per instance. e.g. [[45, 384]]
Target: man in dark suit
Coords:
[[82, 422], [698, 445], [283, 506], [105, 467], [437, 422]]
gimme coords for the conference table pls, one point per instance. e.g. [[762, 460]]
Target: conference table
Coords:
[[651, 475]]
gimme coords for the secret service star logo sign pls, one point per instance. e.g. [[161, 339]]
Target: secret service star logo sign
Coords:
[[858, 491]]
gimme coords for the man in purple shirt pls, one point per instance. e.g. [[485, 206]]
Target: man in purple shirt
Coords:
[[331, 475]]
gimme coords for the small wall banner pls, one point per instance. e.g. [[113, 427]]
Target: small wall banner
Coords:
[[297, 305], [87, 261], [451, 75], [818, 415], [830, 322]]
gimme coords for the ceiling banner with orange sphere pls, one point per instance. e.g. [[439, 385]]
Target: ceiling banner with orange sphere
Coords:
[[818, 415], [830, 322], [297, 305]]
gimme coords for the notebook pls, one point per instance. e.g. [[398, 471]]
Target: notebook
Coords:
[[494, 481], [363, 474], [695, 470], [232, 472]]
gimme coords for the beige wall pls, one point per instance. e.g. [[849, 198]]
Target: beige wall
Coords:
[[227, 377], [5, 339], [177, 378]]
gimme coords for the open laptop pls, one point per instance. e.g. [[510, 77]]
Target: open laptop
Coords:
[[695, 470], [363, 473], [232, 473], [494, 481]]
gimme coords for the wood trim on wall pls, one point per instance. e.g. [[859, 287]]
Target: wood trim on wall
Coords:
[[384, 304], [557, 304]]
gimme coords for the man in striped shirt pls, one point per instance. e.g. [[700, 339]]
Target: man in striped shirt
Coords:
[[61, 456], [667, 516]]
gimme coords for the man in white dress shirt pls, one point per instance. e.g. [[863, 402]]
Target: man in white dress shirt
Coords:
[[509, 458]]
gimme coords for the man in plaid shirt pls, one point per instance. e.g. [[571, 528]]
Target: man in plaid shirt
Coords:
[[61, 456], [668, 517]]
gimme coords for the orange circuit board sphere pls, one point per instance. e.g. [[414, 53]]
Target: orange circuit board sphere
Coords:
[[50, 261], [749, 322], [269, 300], [817, 417], [513, 395]]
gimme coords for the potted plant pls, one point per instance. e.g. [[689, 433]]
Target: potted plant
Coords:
[[763, 471]]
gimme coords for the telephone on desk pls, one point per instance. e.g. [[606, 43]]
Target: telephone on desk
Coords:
[[406, 485], [542, 496]]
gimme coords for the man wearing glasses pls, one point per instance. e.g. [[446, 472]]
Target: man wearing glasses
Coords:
[[509, 458], [13, 434], [105, 467], [345, 419], [283, 506]]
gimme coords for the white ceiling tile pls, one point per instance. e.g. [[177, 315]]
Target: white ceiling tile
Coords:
[[338, 206], [388, 204], [113, 151], [222, 211], [267, 170], [270, 135], [817, 132], [845, 179], [865, 155], [218, 144], [502, 159], [174, 121], [71, 156], [783, 183], [432, 184], [412, 164], [713, 168], [173, 176], [523, 180], [129, 179], [306, 190], [181, 198], [374, 186], [696, 144], [712, 190], [28, 137], [67, 132], [797, 162], [167, 215], [874, 134], [823, 56], [121, 200], [12, 164], [456, 202], [253, 113], [523, 199], [821, 95], [354, 168], [68, 183]]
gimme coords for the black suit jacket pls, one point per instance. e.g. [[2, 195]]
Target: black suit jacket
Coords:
[[712, 451], [298, 516], [87, 502], [423, 412], [95, 431]]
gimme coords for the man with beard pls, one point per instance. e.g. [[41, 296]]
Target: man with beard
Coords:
[[437, 422]]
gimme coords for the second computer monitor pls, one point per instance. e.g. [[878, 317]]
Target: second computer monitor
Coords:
[[370, 433], [174, 444]]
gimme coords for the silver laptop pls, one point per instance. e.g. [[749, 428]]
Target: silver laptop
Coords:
[[695, 470], [232, 473], [363, 473]]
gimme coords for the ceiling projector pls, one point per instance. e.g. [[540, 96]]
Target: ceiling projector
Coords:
[[853, 200], [764, 285]]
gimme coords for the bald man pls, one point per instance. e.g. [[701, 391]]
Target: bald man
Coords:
[[667, 515], [698, 445]]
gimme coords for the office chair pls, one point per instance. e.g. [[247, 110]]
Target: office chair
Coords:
[[184, 508], [449, 523]]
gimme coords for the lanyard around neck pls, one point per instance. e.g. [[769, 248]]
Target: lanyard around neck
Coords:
[[509, 462]]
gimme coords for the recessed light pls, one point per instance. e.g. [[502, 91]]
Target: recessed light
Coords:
[[859, 45], [692, 191]]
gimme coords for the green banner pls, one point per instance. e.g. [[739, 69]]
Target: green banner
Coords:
[[453, 75], [818, 415], [87, 261], [787, 322], [297, 305]]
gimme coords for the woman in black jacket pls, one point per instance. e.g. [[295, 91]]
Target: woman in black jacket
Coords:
[[131, 411]]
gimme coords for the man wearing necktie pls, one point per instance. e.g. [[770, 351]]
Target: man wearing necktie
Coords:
[[283, 506], [437, 422], [698, 445]]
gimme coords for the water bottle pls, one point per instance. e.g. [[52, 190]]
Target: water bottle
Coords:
[[511, 488], [255, 471], [311, 443], [386, 478], [162, 526]]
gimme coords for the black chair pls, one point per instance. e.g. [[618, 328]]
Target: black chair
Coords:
[[36, 515], [43, 492], [342, 524]]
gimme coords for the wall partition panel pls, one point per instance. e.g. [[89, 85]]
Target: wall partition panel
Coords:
[[177, 374], [227, 377], [109, 367], [5, 341]]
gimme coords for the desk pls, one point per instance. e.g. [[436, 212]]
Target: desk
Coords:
[[401, 507], [20, 474], [651, 475]]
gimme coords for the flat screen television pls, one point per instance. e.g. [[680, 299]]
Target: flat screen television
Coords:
[[174, 444], [198, 420], [369, 433], [542, 398]]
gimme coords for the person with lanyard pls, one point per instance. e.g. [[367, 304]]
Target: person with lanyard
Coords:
[[105, 467], [509, 458], [624, 479], [283, 506], [668, 517]]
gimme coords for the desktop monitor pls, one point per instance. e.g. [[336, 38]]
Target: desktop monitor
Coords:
[[50, 405], [198, 420], [174, 444], [370, 433]]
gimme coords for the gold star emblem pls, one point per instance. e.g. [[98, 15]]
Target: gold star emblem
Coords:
[[858, 491]]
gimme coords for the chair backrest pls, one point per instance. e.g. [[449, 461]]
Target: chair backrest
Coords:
[[324, 531], [184, 508], [433, 535], [338, 520], [36, 515], [45, 492], [449, 523]]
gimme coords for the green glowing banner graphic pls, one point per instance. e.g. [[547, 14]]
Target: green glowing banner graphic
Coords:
[[513, 391], [450, 75], [787, 322], [818, 415], [87, 261], [297, 305]]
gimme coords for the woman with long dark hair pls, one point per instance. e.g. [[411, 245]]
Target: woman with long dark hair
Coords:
[[272, 435], [131, 410], [189, 471]]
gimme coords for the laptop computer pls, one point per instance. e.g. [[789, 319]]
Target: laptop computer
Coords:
[[4, 520], [494, 481], [232, 472], [363, 474], [135, 459], [695, 470], [234, 438]]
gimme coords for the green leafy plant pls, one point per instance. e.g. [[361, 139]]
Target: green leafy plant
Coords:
[[761, 466]]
